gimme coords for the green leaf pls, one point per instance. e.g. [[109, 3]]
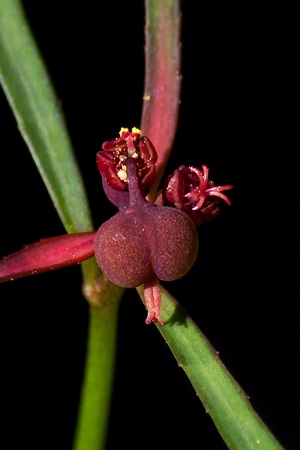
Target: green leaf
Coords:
[[28, 89], [30, 94], [223, 399]]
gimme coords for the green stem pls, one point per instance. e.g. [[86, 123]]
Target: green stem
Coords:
[[93, 415]]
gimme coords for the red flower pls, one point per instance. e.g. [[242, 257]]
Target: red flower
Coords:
[[144, 242], [190, 189], [111, 162]]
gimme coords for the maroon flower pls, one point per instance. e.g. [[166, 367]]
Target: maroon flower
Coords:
[[111, 162], [144, 242], [191, 190]]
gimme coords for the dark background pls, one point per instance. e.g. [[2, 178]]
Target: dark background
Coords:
[[243, 291]]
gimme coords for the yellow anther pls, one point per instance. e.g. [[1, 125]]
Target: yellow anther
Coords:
[[135, 130], [123, 130], [122, 173]]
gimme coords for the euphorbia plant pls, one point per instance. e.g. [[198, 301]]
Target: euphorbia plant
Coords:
[[131, 177]]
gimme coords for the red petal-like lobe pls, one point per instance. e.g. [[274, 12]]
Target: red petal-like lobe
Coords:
[[48, 254]]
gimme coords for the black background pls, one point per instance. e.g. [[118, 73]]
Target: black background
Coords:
[[243, 291]]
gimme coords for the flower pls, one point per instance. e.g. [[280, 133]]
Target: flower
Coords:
[[111, 162], [143, 242], [191, 190]]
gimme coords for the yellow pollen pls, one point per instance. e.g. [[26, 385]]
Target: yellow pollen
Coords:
[[122, 174], [123, 130], [135, 130]]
